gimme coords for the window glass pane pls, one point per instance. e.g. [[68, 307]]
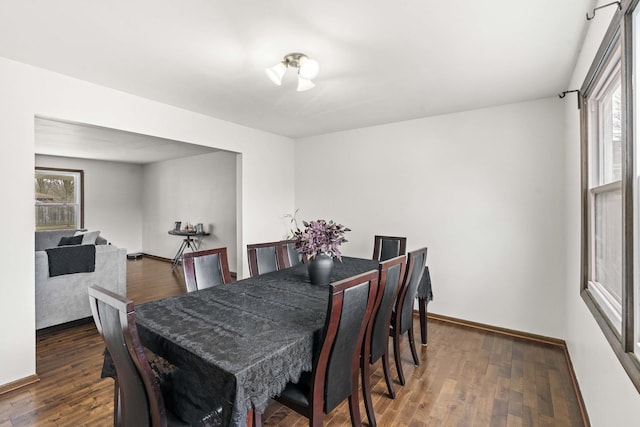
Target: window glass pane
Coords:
[[57, 199], [636, 266], [612, 141], [636, 189], [605, 116], [608, 242]]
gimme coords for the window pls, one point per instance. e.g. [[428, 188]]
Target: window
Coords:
[[58, 198], [604, 204], [611, 187]]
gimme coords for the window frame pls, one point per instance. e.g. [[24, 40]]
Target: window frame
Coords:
[[601, 180], [80, 173], [622, 341]]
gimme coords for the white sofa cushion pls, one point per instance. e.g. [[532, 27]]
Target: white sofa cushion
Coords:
[[88, 237]]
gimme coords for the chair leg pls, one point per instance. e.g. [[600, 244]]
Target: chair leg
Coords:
[[412, 345], [396, 356], [117, 421], [354, 409], [387, 374], [316, 419], [366, 390]]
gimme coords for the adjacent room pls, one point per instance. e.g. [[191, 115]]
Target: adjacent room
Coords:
[[212, 135], [137, 186]]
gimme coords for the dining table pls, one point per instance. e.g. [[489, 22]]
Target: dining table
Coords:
[[235, 346], [221, 353]]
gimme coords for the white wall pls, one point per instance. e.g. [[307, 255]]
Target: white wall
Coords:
[[609, 395], [192, 189], [264, 194], [481, 189], [112, 198]]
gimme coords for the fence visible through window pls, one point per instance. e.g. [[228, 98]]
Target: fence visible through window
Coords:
[[56, 216]]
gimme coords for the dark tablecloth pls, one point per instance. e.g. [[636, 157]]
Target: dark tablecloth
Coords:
[[239, 344], [424, 288]]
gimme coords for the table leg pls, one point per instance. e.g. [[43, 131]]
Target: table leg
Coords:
[[176, 259], [186, 243], [422, 306], [191, 244]]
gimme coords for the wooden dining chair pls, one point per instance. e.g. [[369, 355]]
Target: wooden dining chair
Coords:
[[387, 247], [288, 253], [376, 341], [261, 260], [402, 317], [207, 268], [334, 377], [265, 258], [138, 401]]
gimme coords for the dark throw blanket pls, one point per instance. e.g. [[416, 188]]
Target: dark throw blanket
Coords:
[[71, 259]]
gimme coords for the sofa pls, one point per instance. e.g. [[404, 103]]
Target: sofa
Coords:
[[64, 298]]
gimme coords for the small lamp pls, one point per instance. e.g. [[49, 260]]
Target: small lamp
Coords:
[[276, 73]]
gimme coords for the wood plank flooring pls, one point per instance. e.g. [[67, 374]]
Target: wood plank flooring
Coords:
[[466, 377]]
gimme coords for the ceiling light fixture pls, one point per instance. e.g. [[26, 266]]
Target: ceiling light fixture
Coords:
[[307, 70]]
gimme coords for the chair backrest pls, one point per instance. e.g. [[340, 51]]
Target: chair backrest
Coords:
[[390, 275], [416, 260], [264, 258], [204, 269], [387, 247], [288, 253], [337, 366], [140, 401]]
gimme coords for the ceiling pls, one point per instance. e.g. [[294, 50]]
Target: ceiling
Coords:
[[381, 61], [56, 138]]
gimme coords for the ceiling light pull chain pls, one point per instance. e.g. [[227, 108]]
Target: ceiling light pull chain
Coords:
[[603, 6]]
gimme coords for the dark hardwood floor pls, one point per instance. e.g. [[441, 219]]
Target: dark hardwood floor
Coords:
[[466, 377]]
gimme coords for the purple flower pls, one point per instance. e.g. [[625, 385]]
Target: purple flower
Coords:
[[320, 237]]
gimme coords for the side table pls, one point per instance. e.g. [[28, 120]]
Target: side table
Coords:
[[191, 241]]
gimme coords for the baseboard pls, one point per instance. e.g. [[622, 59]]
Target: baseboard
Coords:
[[525, 336], [503, 331], [63, 326], [7, 388], [159, 258], [576, 387]]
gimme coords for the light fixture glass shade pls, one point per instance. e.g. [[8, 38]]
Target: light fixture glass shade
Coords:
[[304, 84], [309, 69], [276, 73]]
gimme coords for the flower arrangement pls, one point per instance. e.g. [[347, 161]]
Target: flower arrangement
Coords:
[[320, 237]]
